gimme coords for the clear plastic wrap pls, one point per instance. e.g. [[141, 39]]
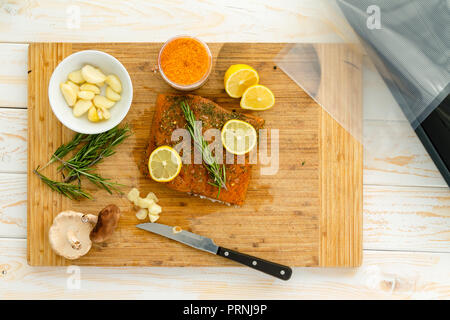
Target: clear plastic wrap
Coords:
[[405, 42]]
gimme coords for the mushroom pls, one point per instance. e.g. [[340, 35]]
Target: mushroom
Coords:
[[72, 233], [106, 224]]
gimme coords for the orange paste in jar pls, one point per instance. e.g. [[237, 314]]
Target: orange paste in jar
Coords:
[[184, 61]]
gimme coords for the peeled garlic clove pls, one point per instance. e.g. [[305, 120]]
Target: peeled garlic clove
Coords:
[[101, 84], [153, 217], [92, 114], [106, 114], [81, 107], [100, 113], [92, 75], [113, 81], [142, 214], [152, 196], [133, 195], [154, 209], [145, 203], [74, 86], [112, 95], [76, 77], [103, 102], [90, 87], [69, 94], [86, 95]]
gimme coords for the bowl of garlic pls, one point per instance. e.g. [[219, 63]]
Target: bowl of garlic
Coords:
[[90, 92]]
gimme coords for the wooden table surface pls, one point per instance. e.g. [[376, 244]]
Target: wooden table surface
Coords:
[[406, 201]]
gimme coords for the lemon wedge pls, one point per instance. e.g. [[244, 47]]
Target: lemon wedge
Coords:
[[238, 78], [257, 97], [238, 137], [164, 164]]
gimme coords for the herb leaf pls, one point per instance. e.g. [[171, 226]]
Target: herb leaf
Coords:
[[216, 171], [96, 148]]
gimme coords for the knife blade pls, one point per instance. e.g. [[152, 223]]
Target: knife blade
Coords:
[[206, 244], [186, 237]]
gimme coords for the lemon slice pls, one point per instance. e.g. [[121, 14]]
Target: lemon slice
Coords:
[[257, 97], [238, 137], [164, 164], [238, 78]]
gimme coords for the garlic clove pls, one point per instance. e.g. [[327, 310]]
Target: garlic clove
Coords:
[[113, 81], [76, 77], [92, 75], [153, 217], [74, 86], [142, 214], [152, 196], [90, 87], [111, 94], [93, 115], [81, 107], [86, 95], [69, 94], [133, 195], [155, 209], [103, 102]]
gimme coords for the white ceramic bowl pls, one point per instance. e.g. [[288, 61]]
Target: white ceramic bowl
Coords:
[[108, 65]]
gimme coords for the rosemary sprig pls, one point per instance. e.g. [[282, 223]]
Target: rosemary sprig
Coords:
[[216, 171], [78, 172], [96, 148], [64, 149], [72, 191]]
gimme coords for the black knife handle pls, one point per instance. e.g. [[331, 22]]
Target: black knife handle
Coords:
[[274, 269]]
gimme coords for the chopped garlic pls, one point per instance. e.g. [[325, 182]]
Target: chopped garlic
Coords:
[[142, 214], [133, 195], [153, 217], [152, 196], [176, 229], [145, 203], [155, 209]]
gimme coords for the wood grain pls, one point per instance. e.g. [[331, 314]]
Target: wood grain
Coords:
[[13, 140], [158, 20], [280, 219], [13, 75], [340, 165], [383, 275]]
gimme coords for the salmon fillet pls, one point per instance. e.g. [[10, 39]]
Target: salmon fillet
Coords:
[[194, 178]]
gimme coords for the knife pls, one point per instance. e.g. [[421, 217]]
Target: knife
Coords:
[[208, 245]]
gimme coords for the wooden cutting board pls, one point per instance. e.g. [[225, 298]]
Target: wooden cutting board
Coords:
[[308, 214]]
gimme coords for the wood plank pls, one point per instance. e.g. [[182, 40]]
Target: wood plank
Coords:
[[13, 205], [13, 75], [383, 275], [289, 200], [340, 166], [393, 155], [13, 140], [158, 20], [407, 218]]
